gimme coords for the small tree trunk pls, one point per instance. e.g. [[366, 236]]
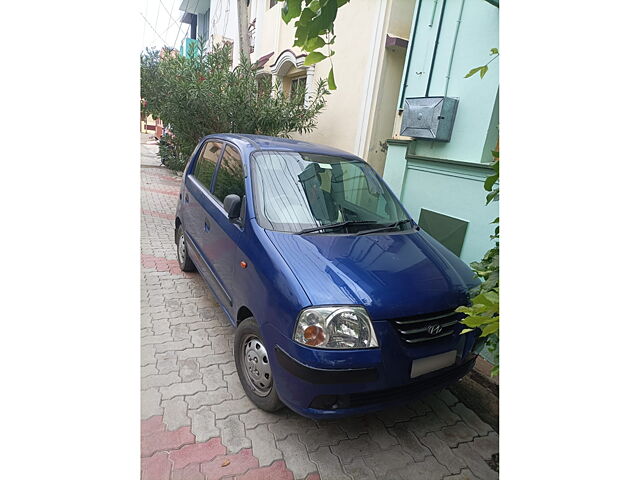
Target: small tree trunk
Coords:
[[243, 28]]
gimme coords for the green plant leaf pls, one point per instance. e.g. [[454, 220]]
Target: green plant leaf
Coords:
[[313, 58], [492, 196], [472, 72], [483, 71], [314, 43], [490, 181], [331, 81], [489, 329], [494, 51]]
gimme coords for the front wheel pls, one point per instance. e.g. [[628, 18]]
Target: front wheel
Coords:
[[253, 366]]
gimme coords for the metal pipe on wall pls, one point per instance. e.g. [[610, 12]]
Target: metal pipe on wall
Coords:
[[453, 49]]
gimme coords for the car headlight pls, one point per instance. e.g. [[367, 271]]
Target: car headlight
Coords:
[[335, 327]]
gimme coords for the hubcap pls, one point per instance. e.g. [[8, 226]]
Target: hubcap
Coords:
[[256, 366], [182, 250]]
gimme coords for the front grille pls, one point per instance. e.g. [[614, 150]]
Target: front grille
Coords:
[[425, 328]]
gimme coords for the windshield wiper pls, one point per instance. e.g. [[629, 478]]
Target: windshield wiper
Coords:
[[335, 225], [384, 227]]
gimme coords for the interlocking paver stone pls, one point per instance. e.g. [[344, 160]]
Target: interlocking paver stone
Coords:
[[328, 464], [233, 434], [486, 446], [175, 413], [475, 462], [203, 423], [349, 450], [327, 435], [233, 407], [456, 434], [160, 380], [429, 469], [296, 456], [189, 370], [409, 443], [393, 459], [214, 397], [471, 419], [150, 403], [263, 445], [359, 470], [184, 388], [228, 465], [442, 452], [442, 410]]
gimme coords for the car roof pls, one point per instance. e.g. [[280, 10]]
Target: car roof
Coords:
[[253, 143]]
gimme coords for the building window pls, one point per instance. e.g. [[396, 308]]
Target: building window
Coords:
[[298, 85]]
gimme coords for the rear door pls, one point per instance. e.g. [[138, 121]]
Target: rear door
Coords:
[[221, 244], [197, 194]]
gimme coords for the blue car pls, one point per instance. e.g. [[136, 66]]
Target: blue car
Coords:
[[343, 304]]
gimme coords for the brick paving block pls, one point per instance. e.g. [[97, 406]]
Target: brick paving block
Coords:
[[147, 355], [238, 463], [233, 433], [277, 471], [475, 462], [175, 413], [359, 470], [442, 452], [419, 406], [203, 423], [197, 453], [233, 385], [167, 363], [190, 472], [456, 434], [471, 419], [292, 424], [182, 389], [156, 467], [323, 436], [429, 469], [228, 368], [156, 339], [465, 474], [447, 397], [150, 403], [349, 450], [263, 445], [200, 338], [379, 433], [189, 370], [424, 424], [179, 346], [183, 320], [394, 415], [195, 352], [328, 464], [313, 476], [160, 380], [209, 397], [159, 441], [259, 417], [148, 370], [392, 459], [486, 446], [296, 456], [152, 425], [409, 443], [212, 377], [442, 410], [180, 332], [233, 407], [215, 359]]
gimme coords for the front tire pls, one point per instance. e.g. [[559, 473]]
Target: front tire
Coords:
[[186, 265], [253, 366]]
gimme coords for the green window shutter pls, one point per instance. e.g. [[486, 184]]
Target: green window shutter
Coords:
[[449, 231]]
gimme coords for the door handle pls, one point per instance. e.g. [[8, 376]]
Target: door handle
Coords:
[[206, 226]]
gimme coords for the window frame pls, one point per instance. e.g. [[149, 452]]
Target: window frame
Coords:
[[215, 175], [192, 172]]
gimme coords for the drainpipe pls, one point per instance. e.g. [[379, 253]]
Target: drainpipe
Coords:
[[435, 47], [453, 49]]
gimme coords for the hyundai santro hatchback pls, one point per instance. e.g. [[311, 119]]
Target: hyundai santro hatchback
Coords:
[[343, 304]]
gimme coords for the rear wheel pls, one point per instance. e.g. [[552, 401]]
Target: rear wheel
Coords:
[[254, 367], [186, 265]]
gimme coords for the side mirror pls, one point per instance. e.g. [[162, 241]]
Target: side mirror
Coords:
[[232, 205]]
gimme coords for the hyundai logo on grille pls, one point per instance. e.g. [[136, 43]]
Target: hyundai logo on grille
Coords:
[[434, 329]]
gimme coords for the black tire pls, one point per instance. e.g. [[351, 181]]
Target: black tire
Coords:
[[248, 341], [184, 260]]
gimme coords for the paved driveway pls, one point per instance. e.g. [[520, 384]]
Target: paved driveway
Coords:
[[196, 422]]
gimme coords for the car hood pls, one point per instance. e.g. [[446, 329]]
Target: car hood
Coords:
[[393, 274]]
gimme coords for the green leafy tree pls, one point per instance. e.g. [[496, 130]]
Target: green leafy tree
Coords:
[[314, 29], [199, 94]]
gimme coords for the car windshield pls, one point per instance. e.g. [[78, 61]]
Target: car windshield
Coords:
[[295, 192]]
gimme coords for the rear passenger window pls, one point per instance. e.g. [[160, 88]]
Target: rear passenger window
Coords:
[[230, 177], [206, 164]]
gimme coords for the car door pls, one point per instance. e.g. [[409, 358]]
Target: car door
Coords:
[[221, 245], [197, 194]]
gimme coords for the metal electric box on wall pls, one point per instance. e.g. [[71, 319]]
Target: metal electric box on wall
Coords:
[[429, 118]]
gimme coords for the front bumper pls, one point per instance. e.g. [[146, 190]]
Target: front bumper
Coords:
[[335, 383]]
